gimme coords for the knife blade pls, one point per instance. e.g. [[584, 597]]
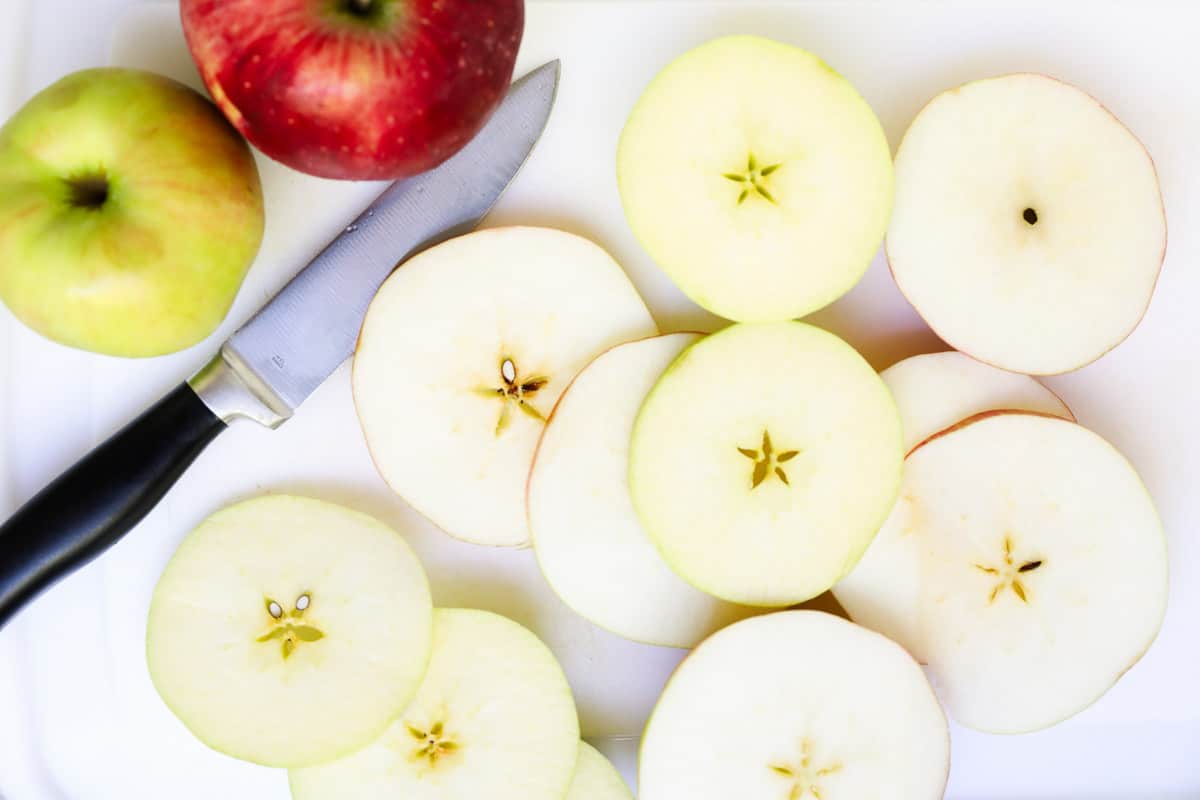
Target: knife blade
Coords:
[[274, 361]]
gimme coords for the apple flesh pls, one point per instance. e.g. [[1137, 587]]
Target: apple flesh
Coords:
[[462, 356], [933, 393], [356, 89], [288, 631], [589, 542], [1042, 564], [796, 704], [757, 177], [764, 460], [129, 213], [935, 390], [596, 778], [1029, 228], [493, 719]]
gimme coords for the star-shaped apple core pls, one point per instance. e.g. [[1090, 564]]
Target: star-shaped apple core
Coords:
[[767, 461], [1008, 574], [289, 628], [804, 775], [515, 391], [433, 743], [753, 180]]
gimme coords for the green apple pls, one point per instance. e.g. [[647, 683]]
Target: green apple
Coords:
[[757, 177], [764, 460], [288, 631], [129, 213], [494, 718]]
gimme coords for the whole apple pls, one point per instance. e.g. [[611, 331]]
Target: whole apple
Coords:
[[130, 211], [356, 89]]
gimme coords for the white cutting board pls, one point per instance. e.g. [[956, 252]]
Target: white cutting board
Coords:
[[78, 716]]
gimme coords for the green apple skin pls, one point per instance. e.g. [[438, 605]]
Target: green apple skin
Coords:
[[130, 212]]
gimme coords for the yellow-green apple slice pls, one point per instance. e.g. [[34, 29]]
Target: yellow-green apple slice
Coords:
[[932, 392], [1029, 227], [935, 390], [764, 460], [288, 631], [796, 704], [462, 356], [596, 778], [587, 536], [1042, 564], [494, 718], [757, 177]]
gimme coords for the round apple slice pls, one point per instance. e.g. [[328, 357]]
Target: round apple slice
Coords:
[[932, 392], [596, 778], [1042, 563], [287, 631], [587, 536], [757, 177], [1029, 227], [493, 719], [462, 355], [935, 390], [796, 704], [764, 460]]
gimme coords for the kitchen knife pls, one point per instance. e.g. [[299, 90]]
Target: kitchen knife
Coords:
[[266, 370]]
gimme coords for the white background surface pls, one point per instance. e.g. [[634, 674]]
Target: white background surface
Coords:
[[78, 717]]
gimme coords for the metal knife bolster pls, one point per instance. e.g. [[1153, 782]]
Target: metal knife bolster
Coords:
[[231, 391]]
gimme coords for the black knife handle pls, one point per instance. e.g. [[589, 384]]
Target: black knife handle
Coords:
[[97, 501]]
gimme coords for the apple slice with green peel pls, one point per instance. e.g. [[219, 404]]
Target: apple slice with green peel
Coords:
[[933, 392], [288, 631], [596, 778], [463, 354], [764, 460], [757, 177], [493, 719], [1029, 227], [587, 536], [1042, 564], [796, 705]]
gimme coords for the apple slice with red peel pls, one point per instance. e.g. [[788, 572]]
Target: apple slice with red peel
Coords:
[[1028, 227], [493, 719], [596, 778], [764, 460], [796, 704], [757, 177], [587, 536], [1042, 564], [463, 354], [287, 631], [933, 392]]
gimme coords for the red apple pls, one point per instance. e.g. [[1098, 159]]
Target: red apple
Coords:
[[356, 89]]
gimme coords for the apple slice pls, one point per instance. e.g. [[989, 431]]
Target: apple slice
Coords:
[[462, 355], [1042, 564], [1029, 227], [494, 719], [287, 631], [933, 392], [764, 460], [796, 704], [596, 778], [587, 536], [757, 177]]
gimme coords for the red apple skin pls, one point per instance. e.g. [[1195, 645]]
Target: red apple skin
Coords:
[[351, 97]]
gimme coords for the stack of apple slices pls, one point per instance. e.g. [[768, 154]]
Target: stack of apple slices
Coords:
[[294, 633], [1024, 562]]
